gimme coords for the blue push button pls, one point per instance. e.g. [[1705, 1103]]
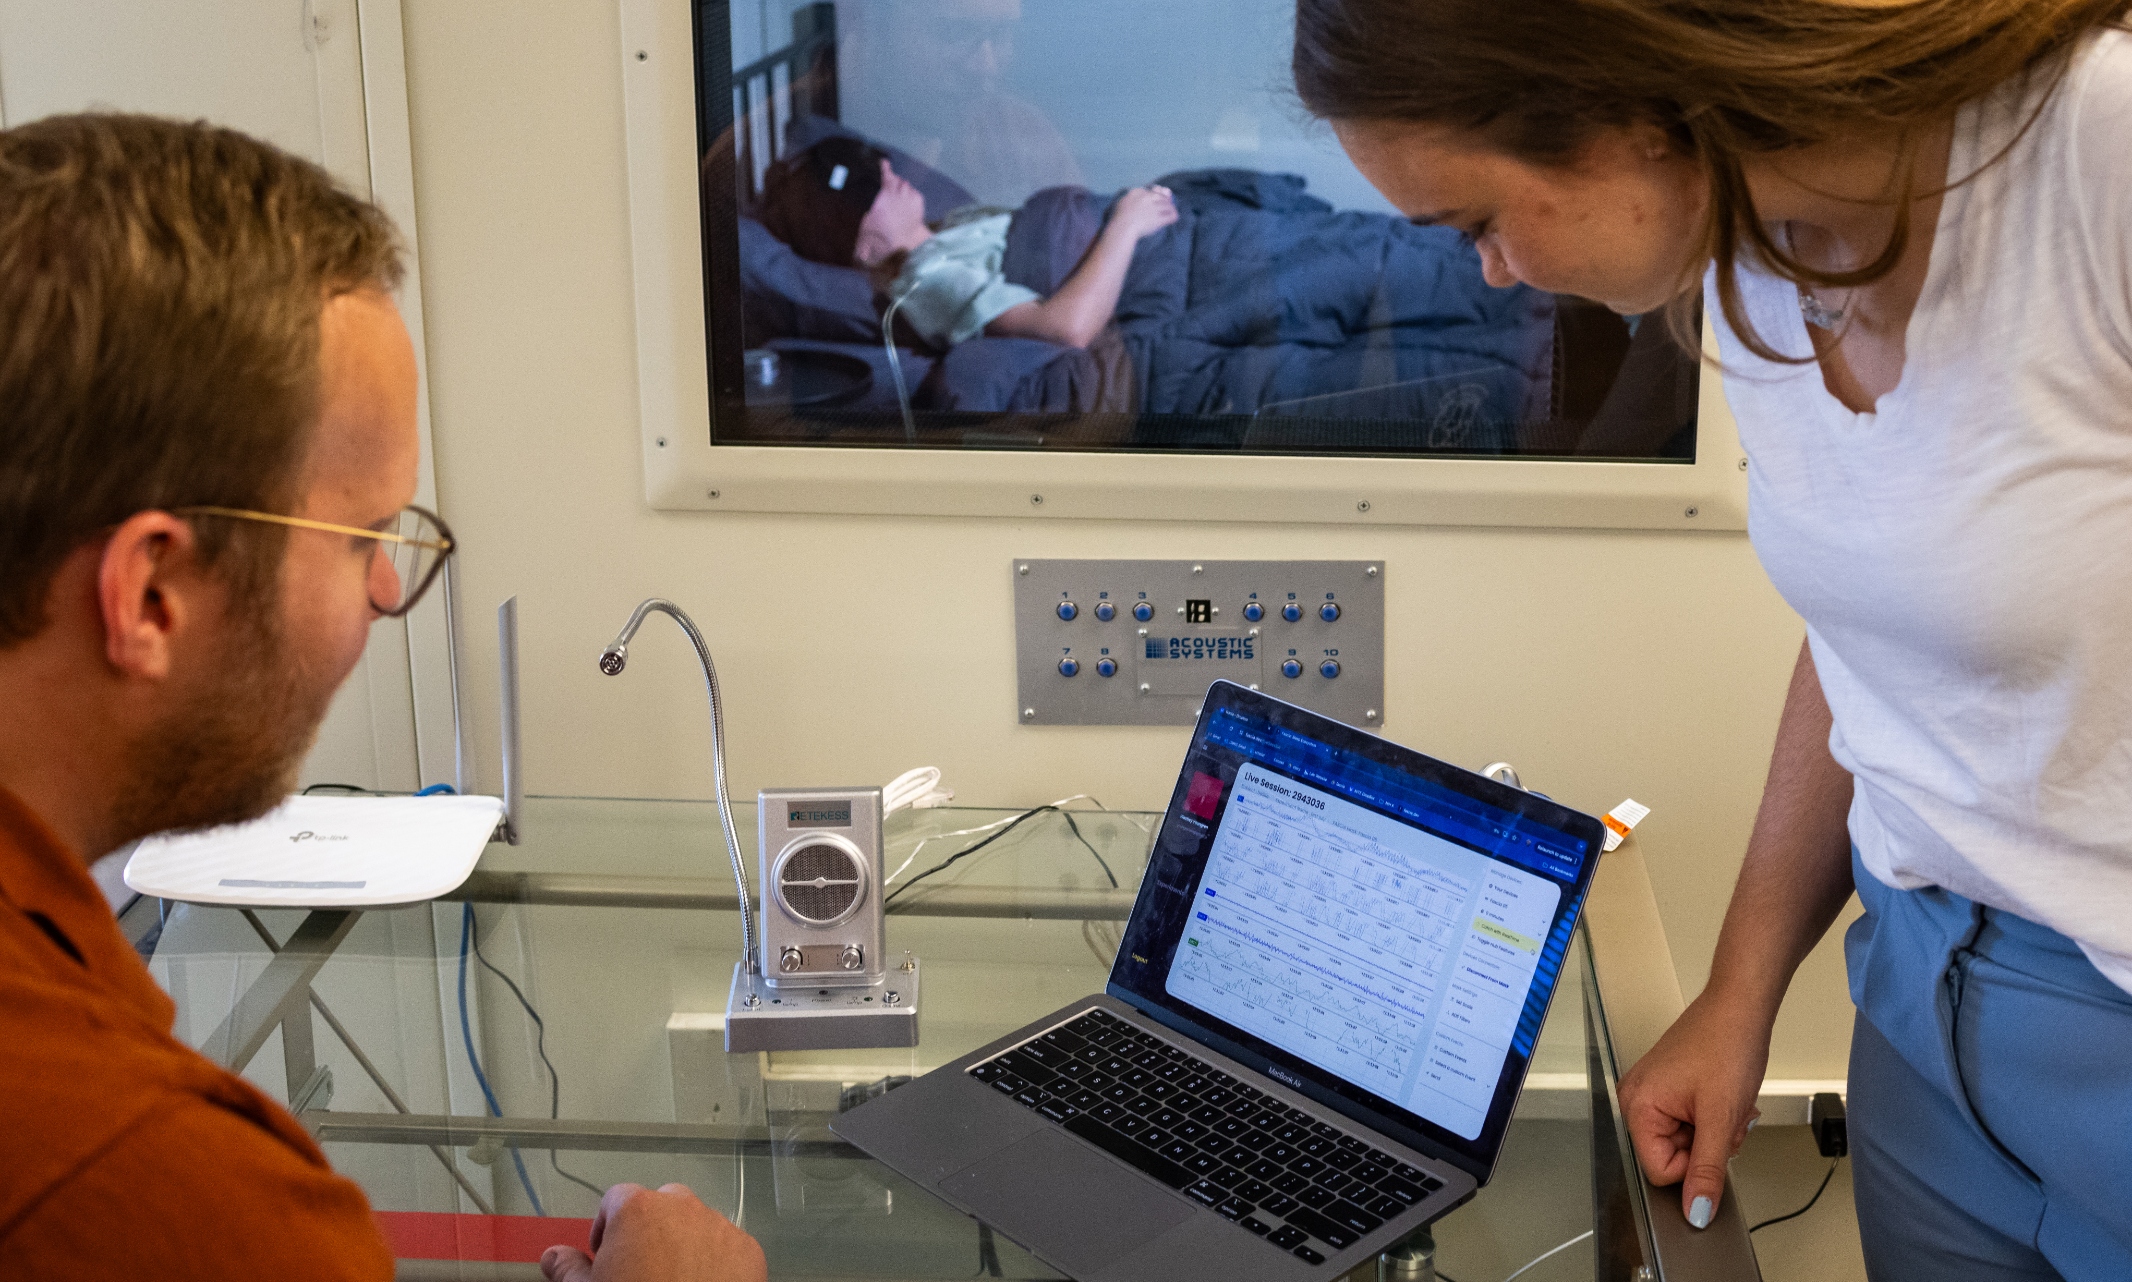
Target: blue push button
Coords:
[[1106, 611], [1254, 611], [1106, 667], [1291, 669], [1143, 611], [1069, 611], [1328, 669], [1069, 667], [1329, 611], [1292, 612]]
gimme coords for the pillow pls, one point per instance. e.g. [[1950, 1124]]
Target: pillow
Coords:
[[785, 296], [943, 194]]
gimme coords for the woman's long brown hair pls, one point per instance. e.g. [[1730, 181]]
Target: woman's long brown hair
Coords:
[[1726, 80]]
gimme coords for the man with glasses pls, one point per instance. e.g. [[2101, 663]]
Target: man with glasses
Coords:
[[207, 452]]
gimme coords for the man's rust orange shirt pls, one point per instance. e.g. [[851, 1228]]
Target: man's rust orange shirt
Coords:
[[125, 1154]]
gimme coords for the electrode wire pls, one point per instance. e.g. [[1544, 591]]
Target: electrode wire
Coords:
[[895, 362]]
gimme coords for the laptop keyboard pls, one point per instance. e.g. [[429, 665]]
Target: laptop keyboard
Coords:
[[1277, 1172]]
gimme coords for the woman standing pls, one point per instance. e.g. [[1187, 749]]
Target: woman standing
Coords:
[[1912, 222]]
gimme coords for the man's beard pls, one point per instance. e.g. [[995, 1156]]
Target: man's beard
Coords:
[[229, 751]]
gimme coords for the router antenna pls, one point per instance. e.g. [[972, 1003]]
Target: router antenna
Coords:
[[514, 779]]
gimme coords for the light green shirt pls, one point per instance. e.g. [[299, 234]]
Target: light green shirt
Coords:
[[952, 286]]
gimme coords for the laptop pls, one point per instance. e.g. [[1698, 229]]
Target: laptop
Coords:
[[1314, 1034]]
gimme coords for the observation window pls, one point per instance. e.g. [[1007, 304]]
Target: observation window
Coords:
[[968, 169]]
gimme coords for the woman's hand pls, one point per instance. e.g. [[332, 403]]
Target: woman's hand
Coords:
[[1689, 1101], [1143, 211]]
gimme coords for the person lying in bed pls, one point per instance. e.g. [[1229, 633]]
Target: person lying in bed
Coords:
[[841, 202]]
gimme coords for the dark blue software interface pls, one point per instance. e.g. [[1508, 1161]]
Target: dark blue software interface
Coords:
[[1385, 928]]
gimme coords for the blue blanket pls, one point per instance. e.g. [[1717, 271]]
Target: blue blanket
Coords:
[[1262, 300]]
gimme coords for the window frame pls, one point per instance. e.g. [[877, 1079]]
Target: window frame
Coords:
[[685, 471]]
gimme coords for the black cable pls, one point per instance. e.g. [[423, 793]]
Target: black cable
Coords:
[[987, 1253], [1091, 849], [1809, 1202], [342, 787], [540, 1043], [1012, 824]]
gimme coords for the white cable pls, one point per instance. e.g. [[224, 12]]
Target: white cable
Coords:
[[1060, 804], [915, 790], [895, 362], [1549, 1255]]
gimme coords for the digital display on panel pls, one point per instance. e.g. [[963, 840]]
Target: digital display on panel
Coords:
[[1105, 225]]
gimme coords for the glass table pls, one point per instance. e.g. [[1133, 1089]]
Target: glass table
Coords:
[[556, 1025]]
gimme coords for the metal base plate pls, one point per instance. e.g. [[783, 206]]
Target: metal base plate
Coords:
[[793, 1018]]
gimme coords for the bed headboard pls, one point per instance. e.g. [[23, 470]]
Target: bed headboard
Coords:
[[799, 79]]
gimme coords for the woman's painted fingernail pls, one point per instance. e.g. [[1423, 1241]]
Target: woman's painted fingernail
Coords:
[[1699, 1212]]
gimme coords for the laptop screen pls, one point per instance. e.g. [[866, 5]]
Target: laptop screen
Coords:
[[1385, 927]]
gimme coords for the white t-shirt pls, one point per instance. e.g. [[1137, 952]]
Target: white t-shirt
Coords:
[[953, 285], [1963, 555]]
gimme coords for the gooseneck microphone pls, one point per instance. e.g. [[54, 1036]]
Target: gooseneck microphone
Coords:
[[612, 660]]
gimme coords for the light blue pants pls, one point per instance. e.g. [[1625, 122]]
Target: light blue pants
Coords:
[[1990, 1096]]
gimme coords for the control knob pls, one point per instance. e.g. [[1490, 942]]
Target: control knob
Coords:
[[790, 960], [852, 958]]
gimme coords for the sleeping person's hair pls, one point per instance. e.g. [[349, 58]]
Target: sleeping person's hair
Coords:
[[814, 200]]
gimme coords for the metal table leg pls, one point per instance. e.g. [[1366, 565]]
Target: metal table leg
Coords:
[[282, 995]]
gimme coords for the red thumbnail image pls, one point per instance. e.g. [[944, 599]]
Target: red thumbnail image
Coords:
[[1203, 798]]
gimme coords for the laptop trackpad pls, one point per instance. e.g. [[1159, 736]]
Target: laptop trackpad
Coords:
[[1063, 1201]]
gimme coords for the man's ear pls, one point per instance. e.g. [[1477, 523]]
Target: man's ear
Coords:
[[147, 585]]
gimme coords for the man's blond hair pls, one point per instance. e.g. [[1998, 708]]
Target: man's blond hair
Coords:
[[161, 285]]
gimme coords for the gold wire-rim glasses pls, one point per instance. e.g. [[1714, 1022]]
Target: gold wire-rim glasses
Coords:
[[443, 546]]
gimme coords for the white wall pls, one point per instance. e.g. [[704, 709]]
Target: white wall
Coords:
[[1603, 664]]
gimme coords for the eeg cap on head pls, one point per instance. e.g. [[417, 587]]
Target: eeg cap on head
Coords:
[[815, 200]]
